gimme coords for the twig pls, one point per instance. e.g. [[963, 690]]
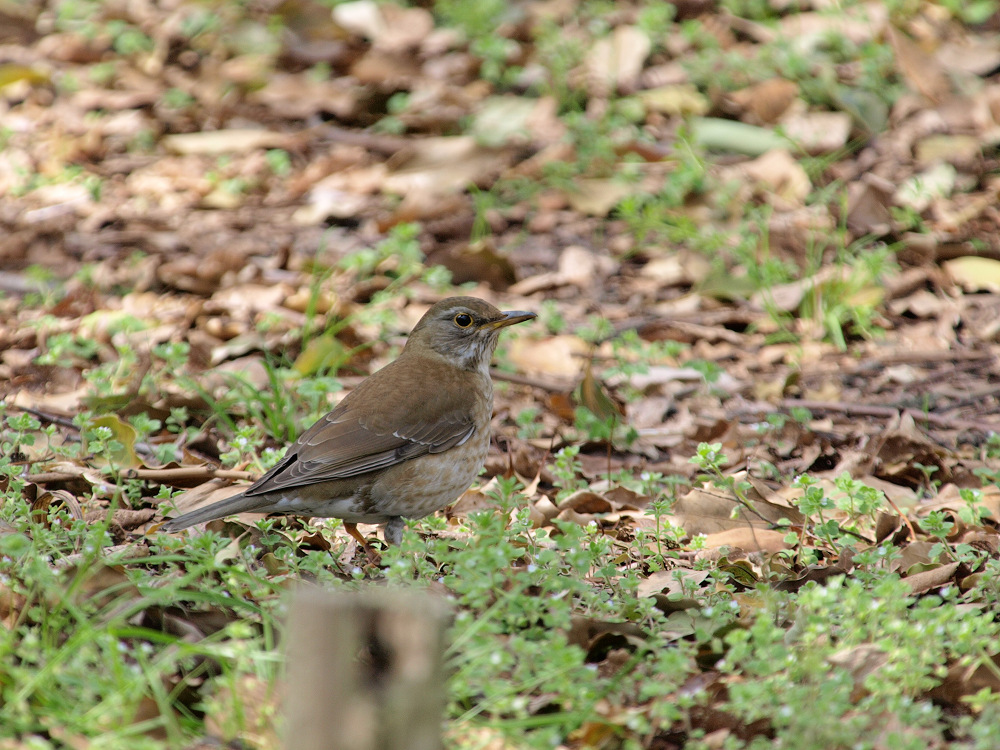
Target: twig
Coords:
[[187, 472], [544, 384], [885, 412], [44, 416], [166, 476]]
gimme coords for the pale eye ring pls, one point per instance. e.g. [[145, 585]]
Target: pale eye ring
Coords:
[[463, 320]]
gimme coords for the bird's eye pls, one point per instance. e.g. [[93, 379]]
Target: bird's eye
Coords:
[[463, 320]]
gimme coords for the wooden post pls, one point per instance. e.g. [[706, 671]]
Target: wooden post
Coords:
[[365, 670]]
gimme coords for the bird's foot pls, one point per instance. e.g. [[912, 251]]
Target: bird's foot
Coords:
[[373, 556], [393, 532]]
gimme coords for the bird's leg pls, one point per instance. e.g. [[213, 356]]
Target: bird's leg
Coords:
[[373, 557], [393, 532]]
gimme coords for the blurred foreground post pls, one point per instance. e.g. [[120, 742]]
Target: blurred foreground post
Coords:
[[365, 670]]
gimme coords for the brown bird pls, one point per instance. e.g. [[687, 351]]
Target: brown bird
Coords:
[[407, 441]]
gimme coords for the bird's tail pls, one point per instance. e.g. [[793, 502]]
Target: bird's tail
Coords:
[[236, 504]]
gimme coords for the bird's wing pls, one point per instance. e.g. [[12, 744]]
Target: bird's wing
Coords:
[[373, 428]]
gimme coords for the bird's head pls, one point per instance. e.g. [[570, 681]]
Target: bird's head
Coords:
[[463, 330]]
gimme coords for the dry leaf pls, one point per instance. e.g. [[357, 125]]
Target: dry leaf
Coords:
[[868, 209], [766, 101], [927, 580], [920, 69], [243, 712], [924, 188], [503, 120], [596, 197], [859, 24], [305, 96], [443, 165], [703, 512], [748, 539], [614, 62], [225, 141], [678, 100], [954, 149], [781, 175], [974, 274], [561, 356], [818, 132]]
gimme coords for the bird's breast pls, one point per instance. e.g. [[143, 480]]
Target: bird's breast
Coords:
[[420, 486]]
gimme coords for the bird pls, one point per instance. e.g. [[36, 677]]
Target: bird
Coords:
[[407, 441]]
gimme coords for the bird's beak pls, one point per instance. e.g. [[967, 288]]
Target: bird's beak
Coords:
[[509, 318]]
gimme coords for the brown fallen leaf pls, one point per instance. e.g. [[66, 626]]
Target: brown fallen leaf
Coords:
[[225, 141], [677, 99], [965, 679], [444, 165], [614, 62], [920, 70], [597, 196], [243, 712], [861, 661], [766, 101], [780, 174], [559, 356], [748, 539], [974, 274], [817, 132], [923, 582], [595, 397], [708, 512], [388, 27]]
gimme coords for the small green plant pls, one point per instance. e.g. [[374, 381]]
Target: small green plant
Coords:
[[397, 255], [67, 350], [279, 161], [550, 316], [973, 513], [82, 629], [847, 304], [973, 12], [566, 469], [477, 19], [102, 73], [127, 39], [860, 502], [528, 423], [711, 460], [175, 98], [663, 490], [794, 669], [19, 432], [928, 472], [245, 444]]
